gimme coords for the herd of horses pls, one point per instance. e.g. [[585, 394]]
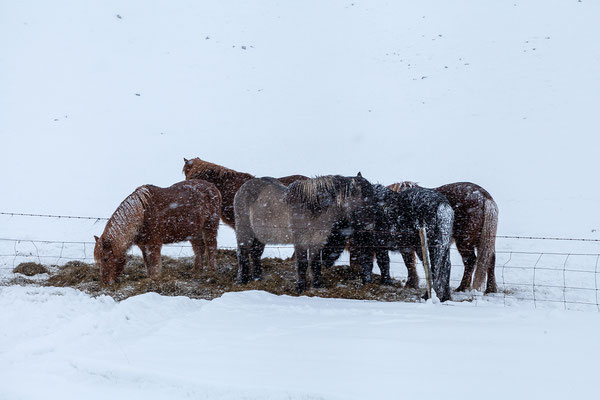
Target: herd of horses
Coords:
[[320, 216]]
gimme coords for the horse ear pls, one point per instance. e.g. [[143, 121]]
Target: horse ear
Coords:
[[359, 174], [185, 160], [97, 238]]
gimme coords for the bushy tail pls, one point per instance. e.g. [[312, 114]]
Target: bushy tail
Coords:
[[487, 243], [440, 252]]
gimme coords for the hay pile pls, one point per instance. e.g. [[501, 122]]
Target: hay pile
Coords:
[[279, 277]]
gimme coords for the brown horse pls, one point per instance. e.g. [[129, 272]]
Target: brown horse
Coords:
[[151, 216], [226, 180], [475, 225]]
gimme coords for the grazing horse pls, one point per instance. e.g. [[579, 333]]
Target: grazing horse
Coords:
[[303, 214], [475, 226], [226, 180], [398, 219], [151, 216]]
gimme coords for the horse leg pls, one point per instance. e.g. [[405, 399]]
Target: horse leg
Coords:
[[315, 267], [243, 251], [336, 242], [255, 253], [198, 245], [409, 260], [469, 259], [383, 262], [154, 262], [492, 287], [210, 242], [301, 267]]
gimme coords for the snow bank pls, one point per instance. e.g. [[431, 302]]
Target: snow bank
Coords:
[[256, 345]]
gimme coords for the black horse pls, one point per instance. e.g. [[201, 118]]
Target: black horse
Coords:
[[398, 219]]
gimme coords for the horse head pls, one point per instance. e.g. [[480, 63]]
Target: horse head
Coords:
[[108, 260], [187, 166]]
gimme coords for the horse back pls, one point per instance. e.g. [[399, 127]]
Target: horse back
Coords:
[[288, 180], [181, 211], [261, 212], [468, 201]]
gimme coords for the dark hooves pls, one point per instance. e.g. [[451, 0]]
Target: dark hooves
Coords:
[[243, 281], [300, 288], [412, 284], [386, 281]]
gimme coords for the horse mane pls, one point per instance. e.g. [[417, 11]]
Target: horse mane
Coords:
[[400, 186], [319, 193], [200, 169], [127, 219]]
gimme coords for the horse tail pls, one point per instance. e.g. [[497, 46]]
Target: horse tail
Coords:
[[441, 250], [486, 248]]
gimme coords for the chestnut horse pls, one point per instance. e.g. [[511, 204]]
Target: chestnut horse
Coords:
[[475, 226], [303, 214], [151, 216], [226, 180]]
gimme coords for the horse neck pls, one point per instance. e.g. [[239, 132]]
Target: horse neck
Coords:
[[127, 220]]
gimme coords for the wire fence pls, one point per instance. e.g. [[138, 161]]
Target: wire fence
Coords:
[[564, 279]]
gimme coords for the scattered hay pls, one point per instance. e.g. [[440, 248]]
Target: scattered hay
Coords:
[[177, 279], [30, 269]]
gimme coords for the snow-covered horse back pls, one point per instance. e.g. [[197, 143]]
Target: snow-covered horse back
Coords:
[[475, 226], [303, 214], [226, 180], [151, 216]]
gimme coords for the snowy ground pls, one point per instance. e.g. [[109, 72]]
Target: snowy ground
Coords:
[[101, 97], [254, 345]]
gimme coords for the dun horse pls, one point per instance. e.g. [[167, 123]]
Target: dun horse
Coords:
[[152, 216], [226, 180], [303, 214], [475, 225]]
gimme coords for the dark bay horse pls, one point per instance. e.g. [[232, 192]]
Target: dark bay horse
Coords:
[[475, 226], [303, 214], [226, 180], [398, 219], [151, 216]]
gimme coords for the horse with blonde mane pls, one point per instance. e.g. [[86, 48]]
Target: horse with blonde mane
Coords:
[[475, 226], [228, 181], [152, 216]]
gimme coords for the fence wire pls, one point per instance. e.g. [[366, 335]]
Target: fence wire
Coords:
[[567, 278]]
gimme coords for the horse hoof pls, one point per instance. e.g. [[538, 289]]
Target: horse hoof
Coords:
[[412, 284], [461, 288], [318, 285], [386, 281], [491, 290], [300, 288], [242, 281]]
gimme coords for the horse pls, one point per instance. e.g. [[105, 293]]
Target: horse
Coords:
[[475, 226], [303, 214], [398, 219], [226, 180], [152, 216]]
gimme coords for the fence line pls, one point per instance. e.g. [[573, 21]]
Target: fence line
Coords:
[[13, 214], [533, 281]]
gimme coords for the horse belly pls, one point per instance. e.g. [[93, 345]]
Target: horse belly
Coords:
[[271, 227]]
